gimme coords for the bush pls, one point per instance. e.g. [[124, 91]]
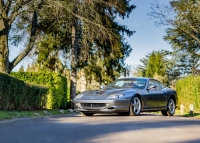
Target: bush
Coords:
[[188, 92], [57, 94], [15, 94]]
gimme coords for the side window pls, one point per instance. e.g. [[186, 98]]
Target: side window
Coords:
[[151, 83], [162, 86], [154, 83], [157, 85]]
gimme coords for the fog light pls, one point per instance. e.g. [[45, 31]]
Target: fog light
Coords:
[[79, 105]]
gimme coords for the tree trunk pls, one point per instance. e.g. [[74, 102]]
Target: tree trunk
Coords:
[[83, 82], [74, 57], [4, 51]]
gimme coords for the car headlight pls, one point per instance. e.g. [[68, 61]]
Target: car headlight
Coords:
[[79, 95], [115, 96]]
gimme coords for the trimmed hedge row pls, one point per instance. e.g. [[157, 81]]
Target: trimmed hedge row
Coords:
[[188, 92], [57, 94], [15, 94]]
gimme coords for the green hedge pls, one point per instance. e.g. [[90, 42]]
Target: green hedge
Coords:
[[57, 95], [188, 91], [15, 94]]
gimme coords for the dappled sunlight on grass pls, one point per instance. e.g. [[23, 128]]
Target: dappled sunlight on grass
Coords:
[[25, 114], [196, 114]]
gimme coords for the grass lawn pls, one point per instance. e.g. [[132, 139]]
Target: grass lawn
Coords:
[[25, 114], [4, 115], [196, 114]]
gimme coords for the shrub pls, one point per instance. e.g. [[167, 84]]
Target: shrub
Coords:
[[15, 94], [188, 92], [57, 94]]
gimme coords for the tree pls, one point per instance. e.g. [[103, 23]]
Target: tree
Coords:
[[32, 68], [154, 65], [106, 11], [47, 52], [11, 12], [21, 69], [136, 71], [184, 34], [82, 20]]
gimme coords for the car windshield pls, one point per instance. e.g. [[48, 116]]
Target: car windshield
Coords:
[[128, 83]]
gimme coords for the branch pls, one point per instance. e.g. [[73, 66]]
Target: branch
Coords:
[[1, 3], [31, 40], [14, 12], [7, 6], [188, 33], [30, 44], [14, 16]]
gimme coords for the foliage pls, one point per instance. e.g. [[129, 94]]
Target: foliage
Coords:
[[154, 65], [48, 53], [184, 34], [15, 94], [188, 92], [21, 69], [74, 33], [136, 71], [57, 96]]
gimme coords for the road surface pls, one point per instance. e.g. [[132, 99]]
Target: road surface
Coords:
[[75, 128]]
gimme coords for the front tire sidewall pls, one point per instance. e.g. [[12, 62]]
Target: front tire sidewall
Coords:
[[135, 106]]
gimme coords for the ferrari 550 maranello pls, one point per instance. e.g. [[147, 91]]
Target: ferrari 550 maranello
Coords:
[[128, 96]]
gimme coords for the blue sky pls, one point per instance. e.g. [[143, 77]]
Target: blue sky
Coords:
[[148, 37]]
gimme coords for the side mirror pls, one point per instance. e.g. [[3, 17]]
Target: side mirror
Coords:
[[101, 87], [152, 87]]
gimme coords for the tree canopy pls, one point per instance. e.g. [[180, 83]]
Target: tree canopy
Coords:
[[182, 17]]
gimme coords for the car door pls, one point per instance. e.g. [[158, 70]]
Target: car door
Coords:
[[156, 96]]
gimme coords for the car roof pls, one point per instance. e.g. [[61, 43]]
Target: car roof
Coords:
[[147, 78]]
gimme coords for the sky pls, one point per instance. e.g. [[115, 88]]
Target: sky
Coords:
[[148, 37]]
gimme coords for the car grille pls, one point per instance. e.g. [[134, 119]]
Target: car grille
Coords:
[[93, 104]]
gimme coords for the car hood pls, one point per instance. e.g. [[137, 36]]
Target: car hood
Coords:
[[102, 94]]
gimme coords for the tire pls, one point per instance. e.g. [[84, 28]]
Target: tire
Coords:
[[87, 114], [171, 106], [164, 113], [135, 106], [124, 113]]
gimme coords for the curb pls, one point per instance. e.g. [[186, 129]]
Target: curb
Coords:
[[39, 117]]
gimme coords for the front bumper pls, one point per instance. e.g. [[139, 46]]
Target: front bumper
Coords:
[[107, 106]]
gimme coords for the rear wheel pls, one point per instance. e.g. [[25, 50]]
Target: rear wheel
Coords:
[[87, 114], [135, 106], [171, 106]]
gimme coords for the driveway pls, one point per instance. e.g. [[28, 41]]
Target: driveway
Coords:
[[75, 128]]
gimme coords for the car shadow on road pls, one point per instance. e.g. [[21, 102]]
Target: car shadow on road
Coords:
[[75, 128]]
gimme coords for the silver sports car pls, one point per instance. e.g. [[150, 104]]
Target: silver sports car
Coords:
[[128, 96]]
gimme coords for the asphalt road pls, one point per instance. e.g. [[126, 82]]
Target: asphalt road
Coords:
[[75, 128]]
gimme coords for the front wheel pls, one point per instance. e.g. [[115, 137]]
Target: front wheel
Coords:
[[135, 106]]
